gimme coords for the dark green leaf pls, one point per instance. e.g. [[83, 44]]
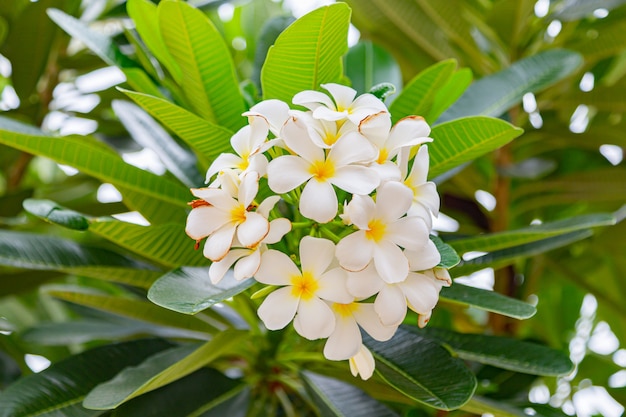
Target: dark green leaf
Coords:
[[368, 65], [335, 398], [269, 32], [383, 90], [571, 10], [422, 370], [189, 290], [487, 300], [54, 213], [449, 257], [60, 389]]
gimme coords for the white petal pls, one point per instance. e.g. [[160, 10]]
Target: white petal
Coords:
[[217, 197], [218, 244], [365, 283], [218, 269], [267, 205], [295, 134], [342, 94], [333, 287], [427, 195], [248, 265], [223, 161], [419, 170], [241, 142], [276, 268], [276, 112], [376, 128], [316, 254], [253, 230], [408, 232], [314, 320], [390, 305], [204, 220], [367, 318], [278, 229], [426, 257], [393, 200], [345, 340], [354, 251], [421, 291], [361, 210], [418, 210], [311, 99], [324, 113], [278, 309], [409, 131], [318, 201], [258, 163], [387, 171], [352, 148], [423, 319], [286, 173], [362, 363], [356, 179], [248, 188], [390, 262]]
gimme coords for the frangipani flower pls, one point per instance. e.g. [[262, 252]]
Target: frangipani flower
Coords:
[[342, 106], [362, 363], [321, 171], [424, 192], [274, 112], [300, 298], [218, 216], [383, 230]]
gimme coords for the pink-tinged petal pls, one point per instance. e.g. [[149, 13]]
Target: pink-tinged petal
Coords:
[[354, 251], [276, 269], [248, 265], [419, 170], [423, 319], [253, 230], [217, 197], [345, 341], [361, 210], [393, 200], [376, 128], [342, 94], [318, 201], [222, 162], [316, 254], [421, 291], [295, 134], [204, 220], [418, 210], [368, 319], [356, 179], [278, 309], [390, 262], [362, 364], [390, 305], [409, 232], [427, 195], [314, 319], [267, 205], [312, 99], [411, 130], [352, 148], [248, 188], [276, 113], [333, 287], [365, 283], [278, 229], [218, 244], [217, 270], [286, 173], [426, 257]]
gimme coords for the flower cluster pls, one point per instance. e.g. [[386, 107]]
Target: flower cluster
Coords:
[[332, 206]]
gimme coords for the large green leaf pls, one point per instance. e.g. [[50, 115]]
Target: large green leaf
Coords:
[[576, 9], [495, 241], [367, 65], [464, 140], [161, 369], [206, 138], [485, 405], [98, 161], [505, 353], [335, 398], [495, 94], [156, 214], [422, 370], [166, 244], [209, 81], [308, 53], [487, 300], [189, 290], [60, 389], [54, 213]]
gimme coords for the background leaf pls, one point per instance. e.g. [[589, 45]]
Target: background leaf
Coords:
[[487, 300]]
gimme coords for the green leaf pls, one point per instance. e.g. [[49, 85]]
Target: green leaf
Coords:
[[156, 214], [495, 94], [464, 140], [449, 93], [54, 213], [495, 302], [367, 65], [449, 257], [482, 405], [335, 398], [266, 38], [207, 139], [609, 40], [308, 53], [495, 241], [189, 290], [139, 80], [422, 370], [505, 353], [166, 244], [98, 161], [60, 389], [420, 93], [209, 79], [577, 9], [160, 370]]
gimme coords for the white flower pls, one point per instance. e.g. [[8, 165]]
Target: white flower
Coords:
[[321, 171], [425, 196], [302, 293], [362, 363], [345, 341], [382, 231], [274, 112], [219, 216], [323, 133], [343, 105]]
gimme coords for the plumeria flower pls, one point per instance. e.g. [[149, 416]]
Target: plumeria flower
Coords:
[[362, 363], [342, 106], [274, 112], [425, 197], [248, 260], [321, 170], [218, 216], [383, 230], [345, 341], [300, 298], [323, 133]]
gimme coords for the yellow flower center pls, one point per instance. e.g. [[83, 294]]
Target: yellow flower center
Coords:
[[330, 138], [345, 310], [376, 230], [245, 161], [383, 154], [304, 286], [322, 170], [238, 214], [413, 188]]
